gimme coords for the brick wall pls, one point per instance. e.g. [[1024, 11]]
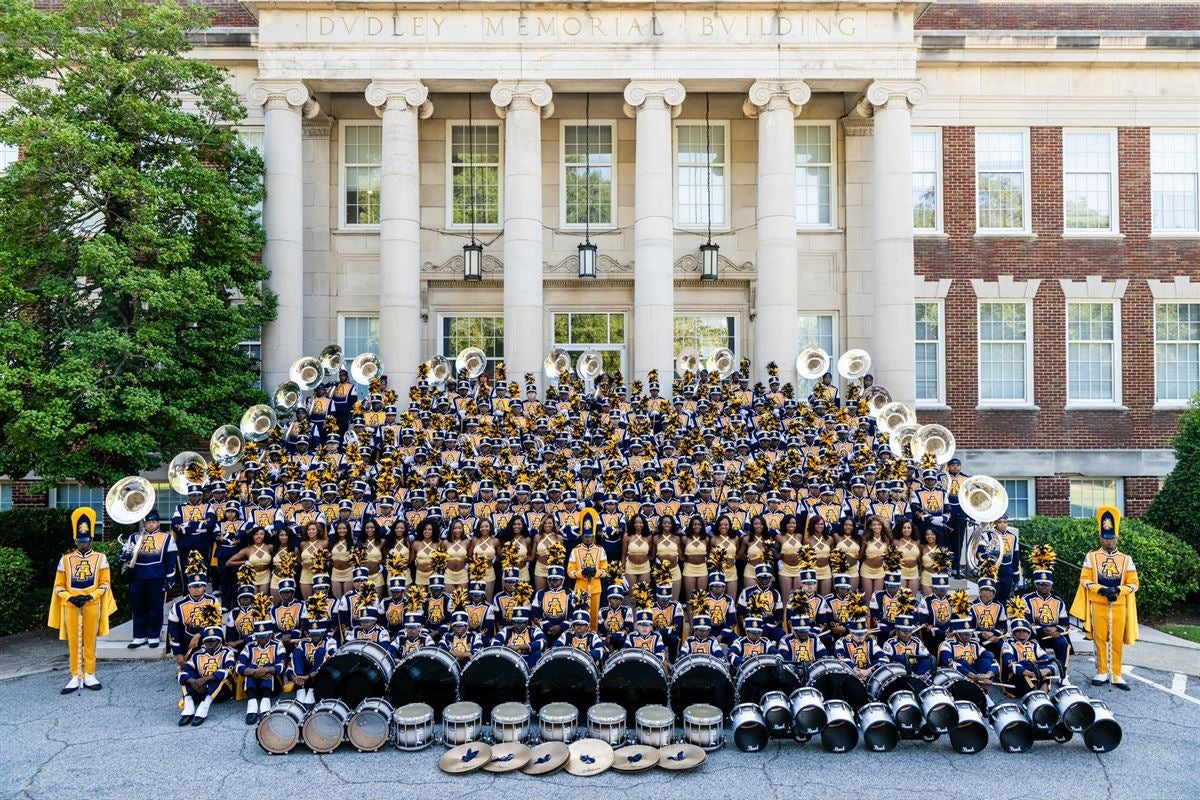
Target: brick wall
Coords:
[[1139, 492], [24, 495], [1048, 256], [947, 15], [1053, 497]]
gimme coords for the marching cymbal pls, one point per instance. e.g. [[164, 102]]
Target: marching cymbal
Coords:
[[635, 758], [547, 757], [465, 758], [507, 756], [680, 757], [589, 757]]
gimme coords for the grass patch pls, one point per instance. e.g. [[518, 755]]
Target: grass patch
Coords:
[[1189, 632]]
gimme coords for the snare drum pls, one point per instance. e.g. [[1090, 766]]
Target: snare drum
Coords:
[[461, 723], [493, 676], [761, 674], [879, 731], [906, 712], [749, 728], [606, 722], [1040, 711], [412, 726], [1104, 734], [885, 679], [835, 680], [633, 678], [1011, 727], [510, 723], [325, 726], [557, 722], [937, 705], [563, 675], [1073, 708], [654, 725], [704, 726], [970, 735], [808, 712], [368, 729], [777, 714], [961, 688], [429, 675], [840, 734], [278, 731], [701, 678]]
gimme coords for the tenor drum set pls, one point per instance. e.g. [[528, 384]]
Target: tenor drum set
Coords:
[[495, 700]]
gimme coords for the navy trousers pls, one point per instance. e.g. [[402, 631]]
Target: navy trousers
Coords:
[[146, 604]]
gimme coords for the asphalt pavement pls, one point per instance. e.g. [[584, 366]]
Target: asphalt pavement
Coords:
[[123, 742]]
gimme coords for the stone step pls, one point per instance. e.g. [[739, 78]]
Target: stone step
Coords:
[[115, 646]]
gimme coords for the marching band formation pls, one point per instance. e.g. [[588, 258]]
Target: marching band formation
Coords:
[[730, 520]]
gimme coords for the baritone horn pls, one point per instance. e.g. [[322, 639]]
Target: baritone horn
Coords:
[[933, 440], [331, 359], [721, 362], [129, 500], [472, 361], [557, 363], [854, 364], [306, 372], [812, 363], [226, 445], [365, 368], [589, 366], [687, 361], [187, 467], [286, 396], [257, 422]]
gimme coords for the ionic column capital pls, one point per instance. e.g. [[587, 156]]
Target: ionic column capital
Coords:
[[881, 93], [401, 96], [654, 94], [528, 95], [280, 93], [773, 95]]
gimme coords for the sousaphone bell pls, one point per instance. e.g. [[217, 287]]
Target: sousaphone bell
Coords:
[[472, 361], [854, 364], [895, 414], [365, 368], [440, 371], [901, 437], [934, 440], [129, 500], [721, 361], [557, 363], [984, 500], [589, 366], [226, 445], [812, 363], [181, 468], [876, 398], [306, 372], [286, 396], [687, 361], [331, 359], [257, 422]]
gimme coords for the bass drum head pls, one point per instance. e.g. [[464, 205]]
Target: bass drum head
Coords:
[[701, 678], [563, 675], [493, 676], [355, 672], [836, 681], [763, 674], [370, 727], [427, 676], [634, 680]]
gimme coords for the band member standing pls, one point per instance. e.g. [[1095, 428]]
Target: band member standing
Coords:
[[82, 601], [152, 558], [1105, 599]]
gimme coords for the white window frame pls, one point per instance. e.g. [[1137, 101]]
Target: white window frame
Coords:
[[937, 198], [836, 322], [1027, 216], [737, 327], [9, 153], [441, 331], [832, 125], [259, 146], [1120, 493], [53, 499], [1115, 401], [449, 178], [1175, 232], [255, 342], [341, 172], [623, 349], [940, 401], [611, 124], [1027, 401], [1169, 403], [1114, 176], [1030, 491], [724, 224], [6, 487]]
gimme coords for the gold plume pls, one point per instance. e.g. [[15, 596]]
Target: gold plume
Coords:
[[891, 560], [1043, 557], [556, 553], [245, 575], [522, 593], [260, 608], [856, 606], [839, 562], [209, 615], [459, 599], [906, 601], [479, 568], [1017, 608], [321, 560], [661, 572], [989, 568], [318, 607], [195, 564], [437, 562], [510, 556], [415, 599], [960, 602], [642, 594], [798, 601], [285, 565], [698, 603]]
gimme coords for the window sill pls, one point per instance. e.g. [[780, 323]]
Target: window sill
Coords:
[[348, 229], [932, 407], [1093, 235], [1095, 407], [1003, 407], [1005, 235], [594, 228], [467, 229], [1175, 235], [700, 230], [930, 235], [1171, 405], [820, 229]]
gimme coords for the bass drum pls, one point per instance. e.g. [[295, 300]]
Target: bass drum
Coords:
[[761, 674], [835, 680], [429, 675], [633, 678], [278, 731], [701, 678], [358, 670], [563, 675], [961, 688], [493, 676]]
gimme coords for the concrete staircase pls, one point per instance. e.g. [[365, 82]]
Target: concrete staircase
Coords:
[[114, 647]]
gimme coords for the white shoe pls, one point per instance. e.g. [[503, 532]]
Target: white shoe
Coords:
[[309, 699], [72, 685], [264, 705], [90, 682], [252, 706], [1099, 679], [154, 644]]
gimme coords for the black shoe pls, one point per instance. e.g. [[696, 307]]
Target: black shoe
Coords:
[[1123, 686], [135, 645], [94, 687], [198, 721], [251, 719], [1098, 682], [154, 644], [69, 691], [185, 721]]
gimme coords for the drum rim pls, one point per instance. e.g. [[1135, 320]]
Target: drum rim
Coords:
[[455, 718], [616, 712], [663, 715], [299, 726]]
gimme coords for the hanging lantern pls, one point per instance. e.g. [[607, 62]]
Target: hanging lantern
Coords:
[[587, 260], [473, 261], [709, 253]]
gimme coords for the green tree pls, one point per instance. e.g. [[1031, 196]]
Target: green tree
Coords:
[[128, 240], [1176, 507]]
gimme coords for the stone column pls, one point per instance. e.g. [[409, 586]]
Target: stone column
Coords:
[[400, 104], [522, 105], [776, 104], [283, 221], [654, 104], [893, 348], [860, 254]]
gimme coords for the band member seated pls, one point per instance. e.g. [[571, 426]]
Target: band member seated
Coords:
[[645, 637], [962, 651], [366, 617], [615, 618], [392, 606], [752, 644], [721, 608], [581, 637], [437, 607], [1027, 667], [287, 614], [799, 646], [523, 637], [858, 649], [480, 620], [206, 670], [769, 609], [552, 605], [987, 615], [883, 604], [348, 603], [183, 629], [314, 649], [261, 664], [837, 603], [936, 611], [460, 642], [413, 637], [1047, 611], [239, 620], [505, 600], [904, 648], [702, 640]]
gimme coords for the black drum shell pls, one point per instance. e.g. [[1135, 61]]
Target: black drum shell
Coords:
[[563, 675]]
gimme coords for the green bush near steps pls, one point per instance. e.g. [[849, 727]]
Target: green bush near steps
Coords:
[[16, 574]]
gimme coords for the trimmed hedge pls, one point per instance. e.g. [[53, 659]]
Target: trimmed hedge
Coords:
[[1176, 507], [1166, 564], [16, 574], [44, 534]]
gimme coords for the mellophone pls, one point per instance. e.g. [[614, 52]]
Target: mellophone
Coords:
[[633, 700]]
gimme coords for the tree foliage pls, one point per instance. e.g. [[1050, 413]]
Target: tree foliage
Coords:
[[1176, 507], [128, 240]]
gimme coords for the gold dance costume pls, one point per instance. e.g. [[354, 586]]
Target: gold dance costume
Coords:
[[668, 550], [790, 547], [848, 546], [424, 565], [340, 551], [729, 564], [910, 559], [306, 556], [695, 547], [373, 561], [275, 576], [260, 560], [874, 550], [821, 550], [638, 546]]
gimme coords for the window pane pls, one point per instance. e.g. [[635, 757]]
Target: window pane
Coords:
[[1002, 352], [1088, 494], [588, 157], [1177, 351], [700, 174], [1018, 497], [602, 332], [6, 496], [704, 333], [72, 495], [815, 330], [484, 332], [926, 158], [8, 156], [814, 171], [475, 174], [1000, 179], [928, 351], [1090, 350], [1175, 180], [1087, 180]]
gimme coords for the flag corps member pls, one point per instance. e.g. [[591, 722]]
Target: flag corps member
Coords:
[[1105, 599], [82, 601]]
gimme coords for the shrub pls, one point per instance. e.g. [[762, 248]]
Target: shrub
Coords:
[[44, 534], [16, 575], [1176, 507], [1165, 563]]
